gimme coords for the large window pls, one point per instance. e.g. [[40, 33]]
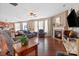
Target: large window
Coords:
[[46, 26], [24, 26], [17, 26], [42, 24]]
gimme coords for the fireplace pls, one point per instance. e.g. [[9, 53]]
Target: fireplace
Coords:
[[58, 33]]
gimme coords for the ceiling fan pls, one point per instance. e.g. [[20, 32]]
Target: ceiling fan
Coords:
[[32, 14], [14, 4]]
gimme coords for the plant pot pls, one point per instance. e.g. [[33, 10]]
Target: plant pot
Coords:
[[23, 44]]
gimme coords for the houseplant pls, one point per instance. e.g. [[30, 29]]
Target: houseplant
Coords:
[[24, 40]]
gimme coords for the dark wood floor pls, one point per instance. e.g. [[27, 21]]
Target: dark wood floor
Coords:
[[48, 46]]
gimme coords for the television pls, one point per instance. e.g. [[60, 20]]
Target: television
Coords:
[[72, 19]]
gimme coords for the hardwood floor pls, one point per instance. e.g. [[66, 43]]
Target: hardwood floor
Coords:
[[48, 46]]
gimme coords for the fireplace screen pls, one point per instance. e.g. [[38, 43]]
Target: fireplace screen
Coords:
[[58, 34]]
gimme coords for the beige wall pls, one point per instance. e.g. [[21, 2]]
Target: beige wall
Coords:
[[50, 27], [21, 28], [51, 20], [31, 25]]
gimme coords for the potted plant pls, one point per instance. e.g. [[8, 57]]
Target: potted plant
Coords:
[[24, 40]]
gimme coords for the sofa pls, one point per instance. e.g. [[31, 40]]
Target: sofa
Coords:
[[28, 33]]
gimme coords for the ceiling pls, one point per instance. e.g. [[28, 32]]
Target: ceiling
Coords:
[[21, 12]]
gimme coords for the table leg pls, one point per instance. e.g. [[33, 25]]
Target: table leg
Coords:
[[36, 50]]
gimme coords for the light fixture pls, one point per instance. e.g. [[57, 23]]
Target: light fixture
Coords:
[[32, 14], [14, 4]]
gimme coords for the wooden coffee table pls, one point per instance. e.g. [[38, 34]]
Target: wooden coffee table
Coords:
[[24, 50]]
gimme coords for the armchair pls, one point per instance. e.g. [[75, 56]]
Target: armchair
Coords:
[[41, 33]]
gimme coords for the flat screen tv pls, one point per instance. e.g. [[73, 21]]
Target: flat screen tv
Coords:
[[72, 19]]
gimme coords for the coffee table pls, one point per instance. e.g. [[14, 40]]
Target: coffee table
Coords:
[[26, 49]]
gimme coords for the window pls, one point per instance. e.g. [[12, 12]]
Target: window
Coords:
[[24, 26], [46, 25], [41, 25], [17, 26]]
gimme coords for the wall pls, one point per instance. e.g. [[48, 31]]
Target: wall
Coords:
[[51, 21], [50, 26], [2, 24], [7, 25], [31, 25]]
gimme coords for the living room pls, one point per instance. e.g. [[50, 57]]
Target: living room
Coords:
[[45, 26]]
